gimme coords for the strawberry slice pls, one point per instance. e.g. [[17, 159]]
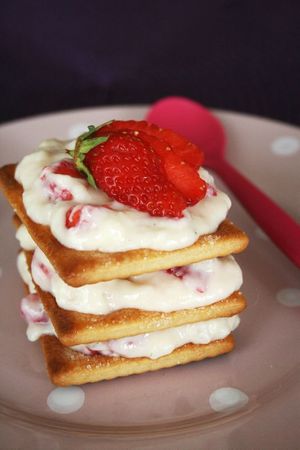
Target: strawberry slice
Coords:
[[176, 157], [181, 174], [187, 151], [130, 171], [185, 178]]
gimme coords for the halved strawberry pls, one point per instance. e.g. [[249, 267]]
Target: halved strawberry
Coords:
[[181, 174], [179, 171], [141, 165], [186, 150], [130, 171]]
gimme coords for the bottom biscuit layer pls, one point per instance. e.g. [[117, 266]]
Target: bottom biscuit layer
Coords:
[[68, 367]]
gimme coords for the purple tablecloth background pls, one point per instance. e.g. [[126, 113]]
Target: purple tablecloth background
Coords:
[[231, 54]]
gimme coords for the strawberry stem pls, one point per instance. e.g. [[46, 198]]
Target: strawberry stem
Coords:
[[84, 144]]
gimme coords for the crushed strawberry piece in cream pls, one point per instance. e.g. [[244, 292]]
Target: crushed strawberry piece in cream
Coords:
[[211, 191], [53, 191], [32, 309], [195, 279]]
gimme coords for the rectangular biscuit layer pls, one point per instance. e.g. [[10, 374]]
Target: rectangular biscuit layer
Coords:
[[86, 267], [68, 367], [77, 328]]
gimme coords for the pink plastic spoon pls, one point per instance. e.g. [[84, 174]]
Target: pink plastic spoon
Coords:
[[195, 122]]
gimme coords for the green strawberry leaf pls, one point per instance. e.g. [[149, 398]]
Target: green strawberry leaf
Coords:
[[82, 167], [87, 144], [86, 134], [71, 152], [84, 144], [92, 130]]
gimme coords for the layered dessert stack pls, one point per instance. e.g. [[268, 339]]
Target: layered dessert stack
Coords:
[[126, 253]]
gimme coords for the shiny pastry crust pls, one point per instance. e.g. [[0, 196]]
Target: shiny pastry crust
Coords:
[[86, 267], [76, 328], [68, 367]]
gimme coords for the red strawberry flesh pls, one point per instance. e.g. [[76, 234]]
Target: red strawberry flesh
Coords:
[[179, 157], [187, 151], [66, 167], [143, 166], [73, 216], [130, 172]]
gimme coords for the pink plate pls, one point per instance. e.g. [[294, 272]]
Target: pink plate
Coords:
[[176, 408]]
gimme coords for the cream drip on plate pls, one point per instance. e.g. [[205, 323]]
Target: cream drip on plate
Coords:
[[108, 225]]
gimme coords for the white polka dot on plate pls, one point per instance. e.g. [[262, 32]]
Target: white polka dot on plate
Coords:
[[227, 398], [285, 146], [75, 130], [66, 400], [289, 297]]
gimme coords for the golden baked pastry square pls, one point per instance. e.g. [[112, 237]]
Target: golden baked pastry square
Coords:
[[69, 367], [74, 328]]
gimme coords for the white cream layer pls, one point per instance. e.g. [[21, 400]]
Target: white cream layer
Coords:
[[160, 343], [108, 225], [196, 285], [24, 272], [25, 240], [150, 345], [35, 330]]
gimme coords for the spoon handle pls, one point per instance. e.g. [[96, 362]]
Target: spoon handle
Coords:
[[280, 227]]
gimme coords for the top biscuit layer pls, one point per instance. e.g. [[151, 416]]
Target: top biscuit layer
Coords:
[[86, 267]]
